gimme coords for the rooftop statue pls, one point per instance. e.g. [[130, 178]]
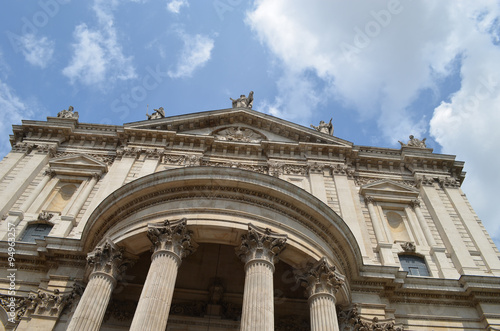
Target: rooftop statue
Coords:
[[414, 142], [243, 101], [157, 113], [324, 127], [68, 113]]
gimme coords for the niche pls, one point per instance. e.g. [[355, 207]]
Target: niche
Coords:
[[397, 227], [60, 197]]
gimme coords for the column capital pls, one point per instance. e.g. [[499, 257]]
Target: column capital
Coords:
[[320, 278], [49, 173], [108, 259], [369, 199], [22, 147], [171, 237], [96, 176], [261, 244], [415, 203]]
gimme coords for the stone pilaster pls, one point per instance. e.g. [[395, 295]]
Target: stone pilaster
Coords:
[[383, 245], [171, 243], [448, 231], [83, 196], [350, 210], [107, 264], [19, 151], [321, 284], [259, 251], [32, 164]]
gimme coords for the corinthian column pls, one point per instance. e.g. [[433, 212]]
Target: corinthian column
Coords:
[[171, 243], [107, 263], [322, 284], [259, 251]]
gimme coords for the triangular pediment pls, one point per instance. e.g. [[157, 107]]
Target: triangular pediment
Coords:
[[77, 164], [238, 124], [389, 190]]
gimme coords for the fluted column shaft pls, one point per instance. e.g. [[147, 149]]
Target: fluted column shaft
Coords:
[[259, 251], [107, 263], [321, 284], [258, 298], [171, 242], [90, 312], [323, 313]]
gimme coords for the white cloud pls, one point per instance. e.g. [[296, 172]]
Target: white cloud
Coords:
[[37, 51], [13, 110], [370, 54], [195, 53], [379, 56], [469, 123], [88, 65], [97, 54], [296, 90], [174, 6]]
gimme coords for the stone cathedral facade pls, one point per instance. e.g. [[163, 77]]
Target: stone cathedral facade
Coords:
[[236, 220]]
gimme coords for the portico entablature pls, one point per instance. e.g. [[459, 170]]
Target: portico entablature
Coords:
[[218, 204]]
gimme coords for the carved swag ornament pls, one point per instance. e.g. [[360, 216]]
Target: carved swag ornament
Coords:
[[351, 320]]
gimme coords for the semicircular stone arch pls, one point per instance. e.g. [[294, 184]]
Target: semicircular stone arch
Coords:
[[219, 204]]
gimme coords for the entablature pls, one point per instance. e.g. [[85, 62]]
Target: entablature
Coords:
[[389, 191]]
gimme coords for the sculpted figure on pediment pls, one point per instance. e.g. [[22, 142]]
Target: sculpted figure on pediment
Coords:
[[414, 142], [68, 113], [324, 127], [243, 101], [157, 113]]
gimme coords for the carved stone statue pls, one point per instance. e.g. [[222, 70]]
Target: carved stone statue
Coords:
[[243, 101], [157, 113], [68, 113], [414, 142], [324, 127]]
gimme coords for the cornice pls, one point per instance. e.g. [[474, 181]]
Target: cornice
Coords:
[[173, 134]]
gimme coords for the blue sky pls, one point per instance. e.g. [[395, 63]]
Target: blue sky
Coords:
[[382, 69]]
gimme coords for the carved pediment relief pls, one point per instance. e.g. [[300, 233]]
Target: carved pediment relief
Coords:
[[255, 127], [388, 190], [238, 134], [78, 164]]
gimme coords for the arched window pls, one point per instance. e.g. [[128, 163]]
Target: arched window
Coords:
[[36, 231], [414, 265]]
